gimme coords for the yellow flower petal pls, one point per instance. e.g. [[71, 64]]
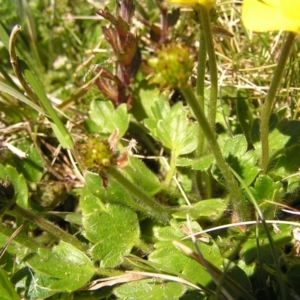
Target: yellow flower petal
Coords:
[[182, 2], [209, 3], [291, 9], [271, 15]]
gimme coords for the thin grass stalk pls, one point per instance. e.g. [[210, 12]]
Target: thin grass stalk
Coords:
[[269, 101], [240, 207]]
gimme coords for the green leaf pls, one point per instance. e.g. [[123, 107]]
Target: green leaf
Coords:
[[7, 289], [68, 268], [89, 202], [160, 110], [150, 289], [265, 189], [249, 250], [142, 176], [107, 118], [244, 163], [243, 112], [208, 210], [196, 272], [293, 277], [293, 183], [239, 276], [255, 130], [21, 191], [174, 131], [184, 161], [282, 136], [114, 231], [32, 167], [153, 101], [166, 255], [246, 166], [13, 92], [37, 287], [288, 162], [13, 250], [173, 232], [236, 146], [202, 164], [64, 136], [94, 194]]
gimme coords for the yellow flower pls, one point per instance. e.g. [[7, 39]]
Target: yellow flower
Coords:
[[267, 15], [209, 3]]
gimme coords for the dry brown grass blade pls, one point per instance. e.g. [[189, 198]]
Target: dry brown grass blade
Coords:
[[128, 277], [165, 277], [10, 239], [134, 276]]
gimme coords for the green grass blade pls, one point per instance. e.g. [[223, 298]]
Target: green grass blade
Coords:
[[11, 91], [34, 89], [64, 136]]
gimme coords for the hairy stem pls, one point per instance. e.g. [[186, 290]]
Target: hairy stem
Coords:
[[50, 227]]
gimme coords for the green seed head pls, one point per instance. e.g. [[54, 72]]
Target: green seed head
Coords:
[[173, 67], [96, 153]]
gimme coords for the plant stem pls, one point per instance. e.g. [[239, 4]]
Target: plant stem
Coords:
[[205, 22], [201, 69], [200, 96], [151, 206], [269, 101], [240, 207], [50, 227]]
